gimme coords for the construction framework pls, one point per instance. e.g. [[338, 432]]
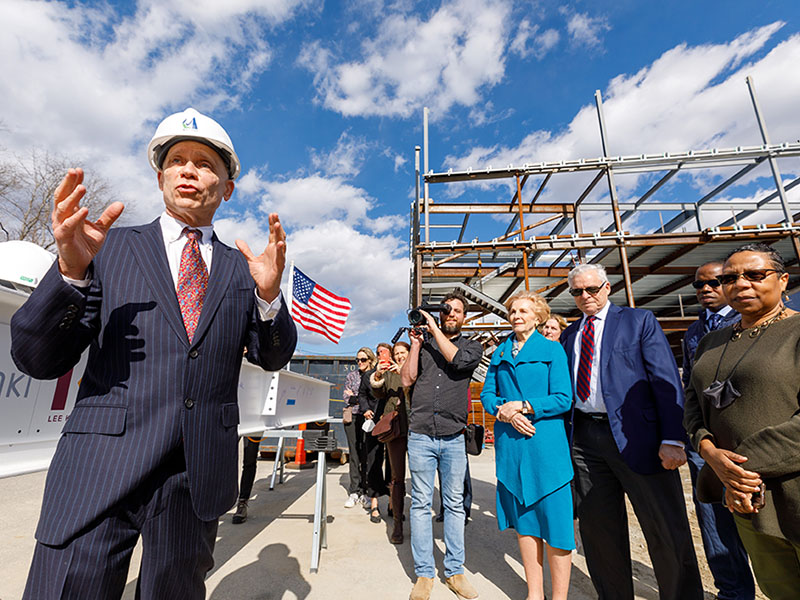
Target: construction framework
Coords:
[[543, 241]]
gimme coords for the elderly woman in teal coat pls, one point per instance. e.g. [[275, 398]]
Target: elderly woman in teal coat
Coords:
[[528, 388]]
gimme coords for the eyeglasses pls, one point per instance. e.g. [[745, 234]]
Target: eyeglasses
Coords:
[[701, 283], [362, 360], [752, 275], [592, 290]]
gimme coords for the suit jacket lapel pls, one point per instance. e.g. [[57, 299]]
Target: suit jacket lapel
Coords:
[[609, 334], [218, 282], [148, 248]]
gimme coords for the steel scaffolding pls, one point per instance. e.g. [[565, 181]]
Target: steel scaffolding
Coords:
[[543, 241]]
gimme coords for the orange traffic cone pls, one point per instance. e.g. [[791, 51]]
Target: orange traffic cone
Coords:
[[300, 452], [300, 449]]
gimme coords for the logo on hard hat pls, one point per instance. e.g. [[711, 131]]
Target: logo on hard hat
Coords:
[[190, 123]]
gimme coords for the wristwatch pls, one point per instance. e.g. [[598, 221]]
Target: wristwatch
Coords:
[[526, 408]]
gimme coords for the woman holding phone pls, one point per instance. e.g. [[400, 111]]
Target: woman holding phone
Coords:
[[372, 408], [387, 385]]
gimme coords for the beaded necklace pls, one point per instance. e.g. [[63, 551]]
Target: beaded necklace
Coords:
[[738, 330]]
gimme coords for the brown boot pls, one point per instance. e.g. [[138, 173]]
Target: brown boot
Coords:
[[422, 589], [397, 534], [461, 586]]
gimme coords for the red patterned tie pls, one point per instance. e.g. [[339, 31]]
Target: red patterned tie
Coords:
[[192, 281], [585, 364]]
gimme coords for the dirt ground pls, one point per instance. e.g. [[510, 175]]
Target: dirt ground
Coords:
[[642, 568]]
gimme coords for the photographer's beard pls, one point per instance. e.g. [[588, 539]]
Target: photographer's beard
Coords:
[[450, 328]]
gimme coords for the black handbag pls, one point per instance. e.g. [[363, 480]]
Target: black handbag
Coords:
[[473, 438]]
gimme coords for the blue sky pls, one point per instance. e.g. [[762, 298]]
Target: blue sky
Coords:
[[324, 104]]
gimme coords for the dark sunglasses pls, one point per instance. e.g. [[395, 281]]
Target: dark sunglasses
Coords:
[[753, 275], [362, 359], [701, 283], [592, 290]]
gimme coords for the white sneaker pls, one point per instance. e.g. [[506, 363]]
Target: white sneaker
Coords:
[[365, 501], [351, 501]]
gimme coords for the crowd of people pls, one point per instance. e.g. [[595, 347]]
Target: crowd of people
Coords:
[[587, 414], [590, 413]]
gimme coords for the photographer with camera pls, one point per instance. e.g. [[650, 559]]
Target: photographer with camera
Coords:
[[440, 366]]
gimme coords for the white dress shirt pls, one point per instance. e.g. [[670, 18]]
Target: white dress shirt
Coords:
[[594, 403], [722, 312], [174, 242]]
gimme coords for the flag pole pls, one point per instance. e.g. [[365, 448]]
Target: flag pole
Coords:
[[290, 299]]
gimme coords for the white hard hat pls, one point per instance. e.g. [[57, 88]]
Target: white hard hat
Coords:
[[23, 264], [194, 126]]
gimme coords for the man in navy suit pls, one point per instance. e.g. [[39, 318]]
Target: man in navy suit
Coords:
[[166, 311], [628, 439]]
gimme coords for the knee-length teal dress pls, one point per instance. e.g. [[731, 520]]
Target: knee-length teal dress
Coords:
[[533, 473]]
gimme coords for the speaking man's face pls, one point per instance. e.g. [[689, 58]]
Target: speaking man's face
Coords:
[[194, 182]]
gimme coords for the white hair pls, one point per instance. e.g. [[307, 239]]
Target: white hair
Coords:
[[599, 269]]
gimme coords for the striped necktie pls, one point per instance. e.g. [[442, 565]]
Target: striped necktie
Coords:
[[713, 322], [192, 281], [582, 386]]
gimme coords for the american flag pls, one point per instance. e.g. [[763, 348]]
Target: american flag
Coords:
[[317, 309]]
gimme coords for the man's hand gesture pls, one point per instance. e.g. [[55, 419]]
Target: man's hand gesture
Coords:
[[267, 267], [78, 240]]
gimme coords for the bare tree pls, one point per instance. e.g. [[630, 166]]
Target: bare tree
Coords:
[[27, 186]]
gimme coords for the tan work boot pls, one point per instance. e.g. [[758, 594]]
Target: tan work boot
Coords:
[[422, 589], [461, 586]]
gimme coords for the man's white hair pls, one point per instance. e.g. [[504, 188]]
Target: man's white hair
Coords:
[[599, 269]]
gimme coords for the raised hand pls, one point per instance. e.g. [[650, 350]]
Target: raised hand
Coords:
[[267, 267], [78, 240]]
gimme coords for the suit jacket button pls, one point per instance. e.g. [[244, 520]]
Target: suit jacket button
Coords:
[[72, 309], [193, 353], [188, 403]]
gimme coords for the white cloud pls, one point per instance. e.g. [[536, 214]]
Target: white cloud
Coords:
[[529, 41], [399, 161], [584, 30], [444, 61], [311, 199], [688, 98], [345, 160], [371, 271], [91, 84]]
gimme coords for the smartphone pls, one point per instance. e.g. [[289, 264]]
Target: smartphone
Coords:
[[384, 354], [758, 499]]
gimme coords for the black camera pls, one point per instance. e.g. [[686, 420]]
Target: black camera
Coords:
[[416, 318]]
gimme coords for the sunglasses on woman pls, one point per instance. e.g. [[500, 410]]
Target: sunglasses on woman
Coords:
[[751, 275], [362, 360]]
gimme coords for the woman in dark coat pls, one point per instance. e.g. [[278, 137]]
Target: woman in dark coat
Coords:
[[372, 408], [386, 385], [742, 414]]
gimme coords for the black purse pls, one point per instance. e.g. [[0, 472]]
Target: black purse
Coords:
[[473, 438]]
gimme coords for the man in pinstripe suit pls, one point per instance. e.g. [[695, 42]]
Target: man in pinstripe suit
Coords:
[[150, 448]]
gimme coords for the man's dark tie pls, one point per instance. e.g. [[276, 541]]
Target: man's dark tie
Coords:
[[192, 281], [713, 322], [585, 363]]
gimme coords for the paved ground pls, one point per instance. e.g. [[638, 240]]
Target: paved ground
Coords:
[[268, 557]]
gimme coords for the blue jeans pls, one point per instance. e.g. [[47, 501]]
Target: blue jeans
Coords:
[[725, 553], [426, 455]]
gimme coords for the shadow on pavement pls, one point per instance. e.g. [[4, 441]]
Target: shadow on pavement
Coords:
[[271, 576], [265, 506]]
